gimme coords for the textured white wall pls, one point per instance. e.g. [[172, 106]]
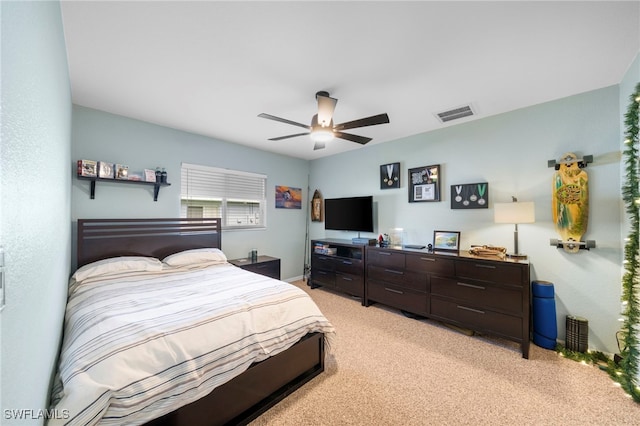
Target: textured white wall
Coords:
[[510, 152], [35, 181]]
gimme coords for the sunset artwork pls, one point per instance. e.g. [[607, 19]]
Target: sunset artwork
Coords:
[[288, 197]]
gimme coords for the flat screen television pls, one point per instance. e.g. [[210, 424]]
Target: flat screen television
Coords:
[[349, 214]]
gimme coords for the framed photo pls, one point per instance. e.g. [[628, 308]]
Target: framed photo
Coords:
[[446, 241], [470, 196], [105, 170], [288, 197], [390, 176], [424, 184], [122, 171], [149, 175]]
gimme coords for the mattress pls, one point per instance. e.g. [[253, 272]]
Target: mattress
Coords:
[[138, 345]]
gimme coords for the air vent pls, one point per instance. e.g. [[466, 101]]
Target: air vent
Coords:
[[456, 113]]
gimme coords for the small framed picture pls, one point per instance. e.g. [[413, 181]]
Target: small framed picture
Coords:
[[105, 170], [122, 171], [390, 176], [424, 184], [446, 241], [149, 175]]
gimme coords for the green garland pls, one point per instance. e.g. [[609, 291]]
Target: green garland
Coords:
[[626, 371], [589, 357]]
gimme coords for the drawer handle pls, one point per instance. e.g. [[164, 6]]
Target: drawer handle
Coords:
[[485, 266], [384, 253], [430, 259], [346, 278], [321, 272], [470, 309], [391, 271], [347, 262], [479, 287], [392, 290]]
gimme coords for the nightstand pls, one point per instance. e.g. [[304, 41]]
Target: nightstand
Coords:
[[265, 265]]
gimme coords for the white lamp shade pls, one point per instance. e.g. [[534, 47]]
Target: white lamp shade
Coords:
[[321, 135], [514, 212]]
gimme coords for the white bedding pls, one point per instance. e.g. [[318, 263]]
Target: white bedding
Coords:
[[139, 345]]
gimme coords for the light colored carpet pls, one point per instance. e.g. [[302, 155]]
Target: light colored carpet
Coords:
[[387, 369]]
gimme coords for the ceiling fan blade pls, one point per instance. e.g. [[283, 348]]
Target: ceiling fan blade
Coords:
[[288, 136], [326, 106], [318, 145], [363, 122], [353, 138], [283, 120]]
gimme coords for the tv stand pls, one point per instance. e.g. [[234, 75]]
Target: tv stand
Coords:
[[339, 265]]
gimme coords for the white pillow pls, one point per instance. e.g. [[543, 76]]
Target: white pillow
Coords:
[[195, 256], [116, 265]]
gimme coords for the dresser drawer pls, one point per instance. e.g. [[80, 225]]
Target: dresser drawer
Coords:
[[350, 266], [403, 278], [488, 295], [323, 277], [467, 315], [388, 258], [323, 262], [398, 297], [352, 284], [490, 271], [431, 264]]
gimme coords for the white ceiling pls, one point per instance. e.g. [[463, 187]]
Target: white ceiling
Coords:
[[210, 67]]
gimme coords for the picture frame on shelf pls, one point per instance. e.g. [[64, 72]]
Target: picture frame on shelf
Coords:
[[87, 168], [105, 170], [149, 175], [447, 241], [424, 184], [122, 172], [390, 176], [470, 196]]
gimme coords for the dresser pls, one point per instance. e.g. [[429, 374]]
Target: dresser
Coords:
[[339, 265], [489, 296]]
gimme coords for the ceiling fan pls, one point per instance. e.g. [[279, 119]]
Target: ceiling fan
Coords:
[[323, 130]]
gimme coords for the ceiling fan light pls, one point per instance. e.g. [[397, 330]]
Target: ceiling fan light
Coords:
[[322, 135]]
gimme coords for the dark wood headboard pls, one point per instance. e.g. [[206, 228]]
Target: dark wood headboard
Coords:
[[103, 238]]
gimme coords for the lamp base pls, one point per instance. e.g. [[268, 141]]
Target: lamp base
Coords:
[[517, 256]]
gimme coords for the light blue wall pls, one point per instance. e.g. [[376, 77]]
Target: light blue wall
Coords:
[[510, 152], [101, 136], [35, 198]]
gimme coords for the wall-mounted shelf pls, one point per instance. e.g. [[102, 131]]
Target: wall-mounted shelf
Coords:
[[93, 180]]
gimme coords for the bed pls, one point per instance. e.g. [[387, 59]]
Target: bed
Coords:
[[161, 330]]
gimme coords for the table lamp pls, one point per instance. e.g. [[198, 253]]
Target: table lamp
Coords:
[[515, 213]]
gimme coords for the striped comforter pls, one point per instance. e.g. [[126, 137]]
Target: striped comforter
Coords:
[[139, 345]]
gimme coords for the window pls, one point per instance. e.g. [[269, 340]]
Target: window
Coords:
[[239, 198]]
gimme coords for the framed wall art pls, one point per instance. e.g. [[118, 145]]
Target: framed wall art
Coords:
[[288, 197], [470, 196], [446, 241], [424, 184], [316, 207], [390, 176]]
